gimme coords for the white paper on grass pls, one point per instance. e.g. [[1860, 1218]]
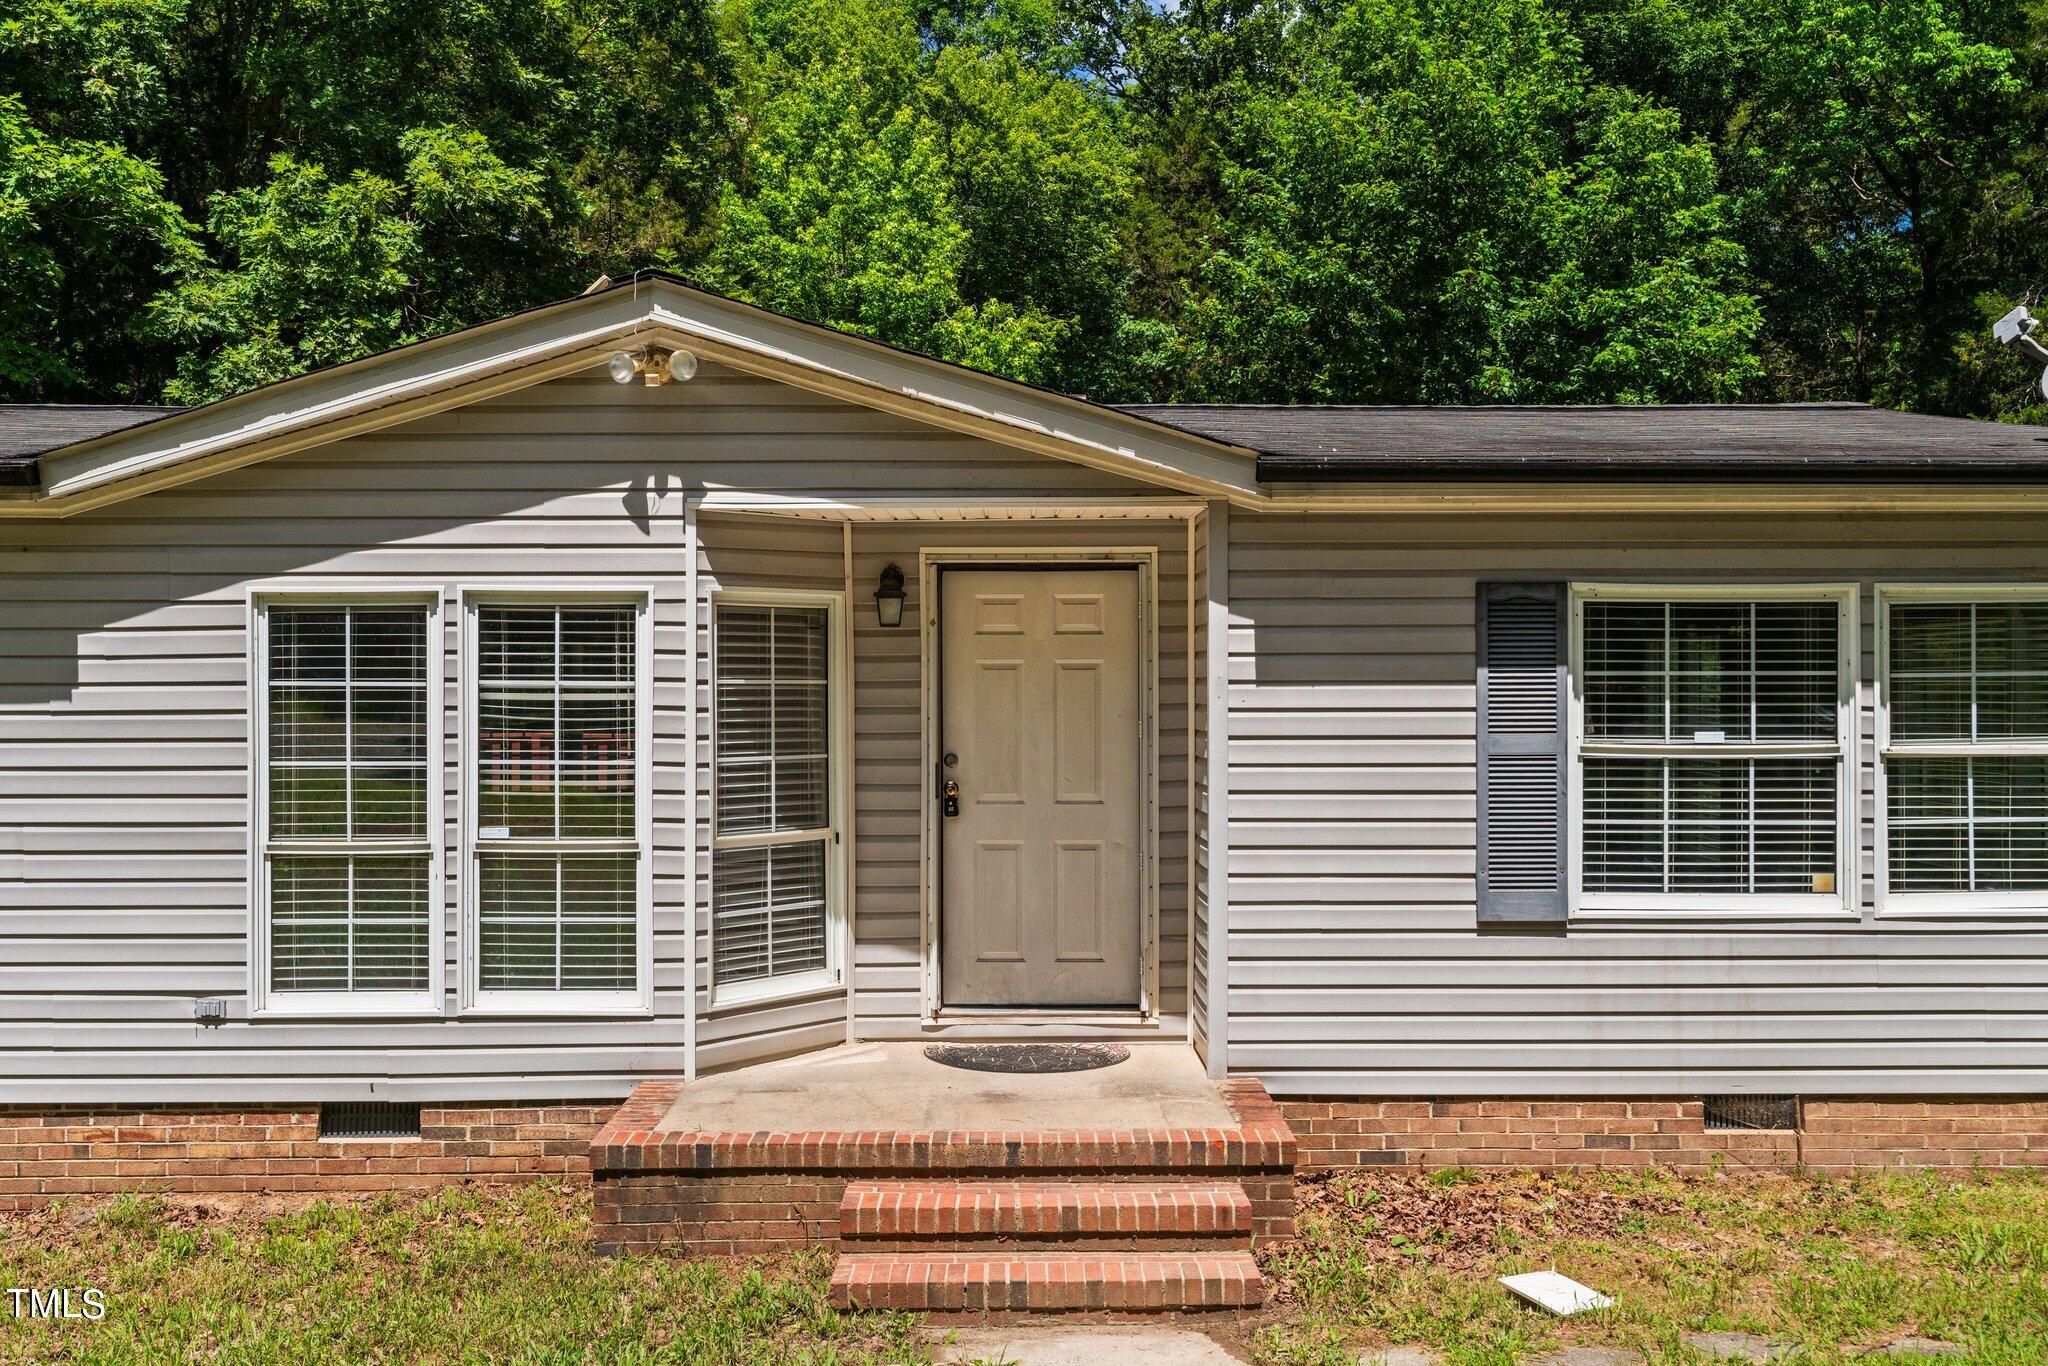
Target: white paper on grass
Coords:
[[1561, 1295]]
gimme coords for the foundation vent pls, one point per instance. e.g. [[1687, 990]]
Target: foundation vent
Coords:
[[1750, 1112], [370, 1119]]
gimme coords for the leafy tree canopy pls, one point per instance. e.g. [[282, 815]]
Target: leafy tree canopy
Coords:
[[1386, 201]]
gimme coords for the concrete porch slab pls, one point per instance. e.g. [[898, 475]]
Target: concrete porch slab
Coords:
[[875, 1087]]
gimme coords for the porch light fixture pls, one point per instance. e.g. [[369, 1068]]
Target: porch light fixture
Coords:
[[889, 597], [657, 366]]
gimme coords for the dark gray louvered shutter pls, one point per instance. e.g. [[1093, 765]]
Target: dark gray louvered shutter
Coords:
[[1523, 807]]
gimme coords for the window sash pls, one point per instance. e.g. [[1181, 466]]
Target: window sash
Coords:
[[1753, 849], [557, 802], [775, 800], [346, 892], [1963, 808]]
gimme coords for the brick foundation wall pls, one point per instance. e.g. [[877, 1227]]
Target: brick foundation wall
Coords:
[[720, 1214], [1835, 1134], [72, 1150]]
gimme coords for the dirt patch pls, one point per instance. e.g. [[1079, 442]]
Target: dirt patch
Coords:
[[1455, 1220]]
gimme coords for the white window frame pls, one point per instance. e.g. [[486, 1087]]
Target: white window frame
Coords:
[[1972, 904], [1840, 904], [839, 801], [264, 1003], [639, 1000]]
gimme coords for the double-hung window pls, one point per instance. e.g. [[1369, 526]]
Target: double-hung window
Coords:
[[1963, 731], [559, 880], [1712, 739], [346, 803], [775, 806]]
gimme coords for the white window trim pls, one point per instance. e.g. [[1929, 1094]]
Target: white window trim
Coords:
[[263, 1002], [1841, 904], [1973, 905], [639, 1001], [839, 796]]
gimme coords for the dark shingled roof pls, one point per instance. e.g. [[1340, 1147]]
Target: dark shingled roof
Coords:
[[29, 429], [1673, 441], [1814, 441]]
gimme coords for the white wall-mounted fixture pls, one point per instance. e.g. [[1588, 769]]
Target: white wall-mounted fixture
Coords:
[[2017, 329], [656, 365]]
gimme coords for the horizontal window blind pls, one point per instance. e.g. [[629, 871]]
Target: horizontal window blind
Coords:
[[1711, 754], [556, 802], [771, 911], [1966, 803], [346, 781], [555, 714], [1711, 671], [772, 742], [1719, 826], [557, 922], [771, 719]]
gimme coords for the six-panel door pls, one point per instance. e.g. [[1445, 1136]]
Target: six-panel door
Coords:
[[1042, 900]]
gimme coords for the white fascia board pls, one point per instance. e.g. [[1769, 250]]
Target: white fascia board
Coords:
[[398, 385]]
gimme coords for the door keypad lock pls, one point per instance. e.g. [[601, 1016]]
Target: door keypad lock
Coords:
[[949, 799]]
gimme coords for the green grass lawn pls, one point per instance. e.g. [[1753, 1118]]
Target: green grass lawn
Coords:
[[1837, 1266], [507, 1276], [494, 1276]]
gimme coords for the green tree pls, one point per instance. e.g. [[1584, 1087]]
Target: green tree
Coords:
[[1447, 208], [1888, 160], [490, 154], [87, 226], [950, 198]]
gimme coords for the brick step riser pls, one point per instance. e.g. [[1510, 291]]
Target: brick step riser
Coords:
[[995, 1243], [1117, 1214], [1079, 1284]]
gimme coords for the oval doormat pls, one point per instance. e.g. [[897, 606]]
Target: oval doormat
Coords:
[[1027, 1057]]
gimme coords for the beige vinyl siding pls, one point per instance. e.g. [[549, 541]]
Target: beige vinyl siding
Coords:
[[124, 715], [1355, 963]]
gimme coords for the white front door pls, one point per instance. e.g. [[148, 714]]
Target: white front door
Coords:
[[1040, 717]]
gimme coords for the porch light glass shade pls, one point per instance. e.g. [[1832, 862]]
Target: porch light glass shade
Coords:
[[889, 597]]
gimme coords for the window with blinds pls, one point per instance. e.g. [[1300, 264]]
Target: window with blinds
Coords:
[[557, 850], [1966, 748], [347, 780], [772, 795], [1711, 747]]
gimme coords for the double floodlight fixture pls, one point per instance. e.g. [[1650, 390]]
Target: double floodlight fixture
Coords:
[[2017, 329], [655, 364]]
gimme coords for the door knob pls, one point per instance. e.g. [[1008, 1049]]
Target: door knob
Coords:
[[949, 799]]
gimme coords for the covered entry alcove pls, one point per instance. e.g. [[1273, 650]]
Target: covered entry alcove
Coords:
[[1056, 651]]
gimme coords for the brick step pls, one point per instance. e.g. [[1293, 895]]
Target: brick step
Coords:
[[1047, 1282], [970, 1215]]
